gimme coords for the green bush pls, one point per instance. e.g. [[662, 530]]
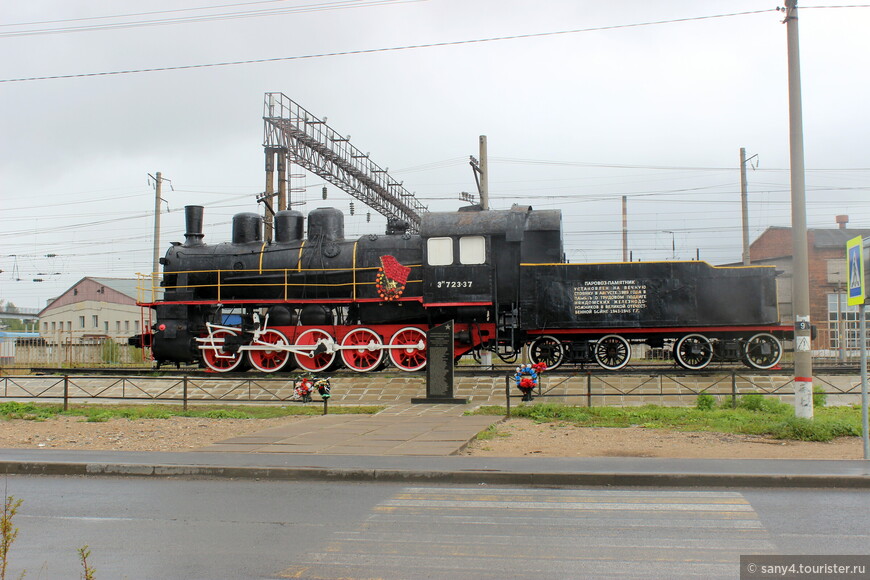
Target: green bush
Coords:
[[801, 429], [705, 402], [99, 417], [226, 414], [110, 352], [820, 399], [759, 403]]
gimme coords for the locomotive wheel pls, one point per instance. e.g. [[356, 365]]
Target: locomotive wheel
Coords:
[[612, 352], [762, 351], [413, 356], [316, 360], [548, 350], [693, 351], [214, 356], [269, 361], [366, 353]]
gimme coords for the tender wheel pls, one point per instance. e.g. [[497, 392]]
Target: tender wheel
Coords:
[[548, 350], [762, 351], [413, 356], [213, 354], [366, 353], [612, 352], [318, 359], [693, 351], [269, 361]]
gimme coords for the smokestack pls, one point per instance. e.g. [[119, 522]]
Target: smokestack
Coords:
[[193, 225], [842, 220]]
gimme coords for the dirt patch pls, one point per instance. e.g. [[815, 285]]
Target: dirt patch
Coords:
[[525, 438], [173, 434], [514, 438]]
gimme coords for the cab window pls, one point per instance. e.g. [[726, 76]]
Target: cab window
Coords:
[[472, 250], [440, 251]]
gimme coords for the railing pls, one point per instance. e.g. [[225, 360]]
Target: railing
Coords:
[[76, 351], [592, 389], [184, 389], [145, 288]]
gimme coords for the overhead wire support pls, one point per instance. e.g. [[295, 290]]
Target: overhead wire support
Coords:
[[313, 145]]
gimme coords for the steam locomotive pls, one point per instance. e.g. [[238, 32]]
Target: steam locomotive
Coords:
[[316, 299]]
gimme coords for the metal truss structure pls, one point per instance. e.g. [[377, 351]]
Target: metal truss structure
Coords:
[[313, 145]]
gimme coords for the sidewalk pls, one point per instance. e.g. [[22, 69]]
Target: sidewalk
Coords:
[[403, 429], [419, 443]]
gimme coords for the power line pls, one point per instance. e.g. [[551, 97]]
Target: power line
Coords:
[[153, 12], [390, 49], [521, 161], [341, 5]]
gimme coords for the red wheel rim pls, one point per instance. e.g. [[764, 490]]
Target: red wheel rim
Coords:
[[269, 361], [412, 357], [214, 356], [318, 362], [363, 357]]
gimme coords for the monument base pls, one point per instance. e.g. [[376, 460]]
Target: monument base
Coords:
[[436, 400]]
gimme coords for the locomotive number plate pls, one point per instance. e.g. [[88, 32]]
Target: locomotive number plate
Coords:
[[453, 284]]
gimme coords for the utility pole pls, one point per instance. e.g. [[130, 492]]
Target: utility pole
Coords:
[[625, 228], [269, 193], [484, 175], [673, 243], [155, 264], [744, 206], [485, 355], [803, 354]]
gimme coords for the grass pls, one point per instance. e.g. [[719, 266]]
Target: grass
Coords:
[[101, 413], [755, 415]]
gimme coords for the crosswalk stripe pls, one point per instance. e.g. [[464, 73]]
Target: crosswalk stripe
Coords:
[[473, 532]]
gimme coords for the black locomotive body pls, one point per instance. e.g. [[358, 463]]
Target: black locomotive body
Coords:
[[319, 299]]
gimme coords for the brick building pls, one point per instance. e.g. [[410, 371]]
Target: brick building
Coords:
[[827, 266]]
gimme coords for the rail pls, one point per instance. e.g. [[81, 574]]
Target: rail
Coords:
[[146, 288], [592, 388], [184, 389]]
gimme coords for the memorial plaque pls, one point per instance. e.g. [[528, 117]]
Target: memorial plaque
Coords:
[[439, 366]]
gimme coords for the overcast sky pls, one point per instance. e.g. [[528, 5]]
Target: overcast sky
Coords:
[[574, 121]]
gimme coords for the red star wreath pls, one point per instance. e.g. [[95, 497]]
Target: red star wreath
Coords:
[[391, 278]]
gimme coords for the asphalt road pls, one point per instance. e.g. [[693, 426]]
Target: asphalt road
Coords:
[[226, 529]]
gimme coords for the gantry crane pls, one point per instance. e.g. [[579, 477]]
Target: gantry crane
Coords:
[[299, 137]]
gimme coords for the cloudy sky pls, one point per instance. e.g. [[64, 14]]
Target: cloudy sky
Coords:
[[582, 102]]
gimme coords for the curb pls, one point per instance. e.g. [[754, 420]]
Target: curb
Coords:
[[455, 477]]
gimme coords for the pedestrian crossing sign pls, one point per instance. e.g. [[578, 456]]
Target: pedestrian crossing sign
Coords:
[[855, 270]]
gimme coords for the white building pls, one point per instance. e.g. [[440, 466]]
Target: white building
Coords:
[[92, 310]]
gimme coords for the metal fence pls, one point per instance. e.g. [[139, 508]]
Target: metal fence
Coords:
[[99, 353], [591, 389], [581, 388], [184, 389]]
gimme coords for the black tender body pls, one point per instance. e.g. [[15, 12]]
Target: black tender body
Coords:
[[646, 295]]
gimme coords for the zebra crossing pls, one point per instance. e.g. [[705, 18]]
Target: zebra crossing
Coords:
[[484, 533]]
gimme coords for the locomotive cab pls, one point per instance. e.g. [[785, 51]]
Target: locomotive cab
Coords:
[[473, 256]]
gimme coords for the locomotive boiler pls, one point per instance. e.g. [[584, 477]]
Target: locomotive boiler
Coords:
[[313, 299]]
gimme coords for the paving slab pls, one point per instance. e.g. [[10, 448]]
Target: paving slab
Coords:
[[402, 429]]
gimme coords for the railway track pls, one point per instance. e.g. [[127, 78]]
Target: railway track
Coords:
[[494, 371]]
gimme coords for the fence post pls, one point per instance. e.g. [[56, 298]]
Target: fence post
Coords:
[[588, 389], [733, 390], [325, 406], [65, 392], [184, 396], [507, 395]]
